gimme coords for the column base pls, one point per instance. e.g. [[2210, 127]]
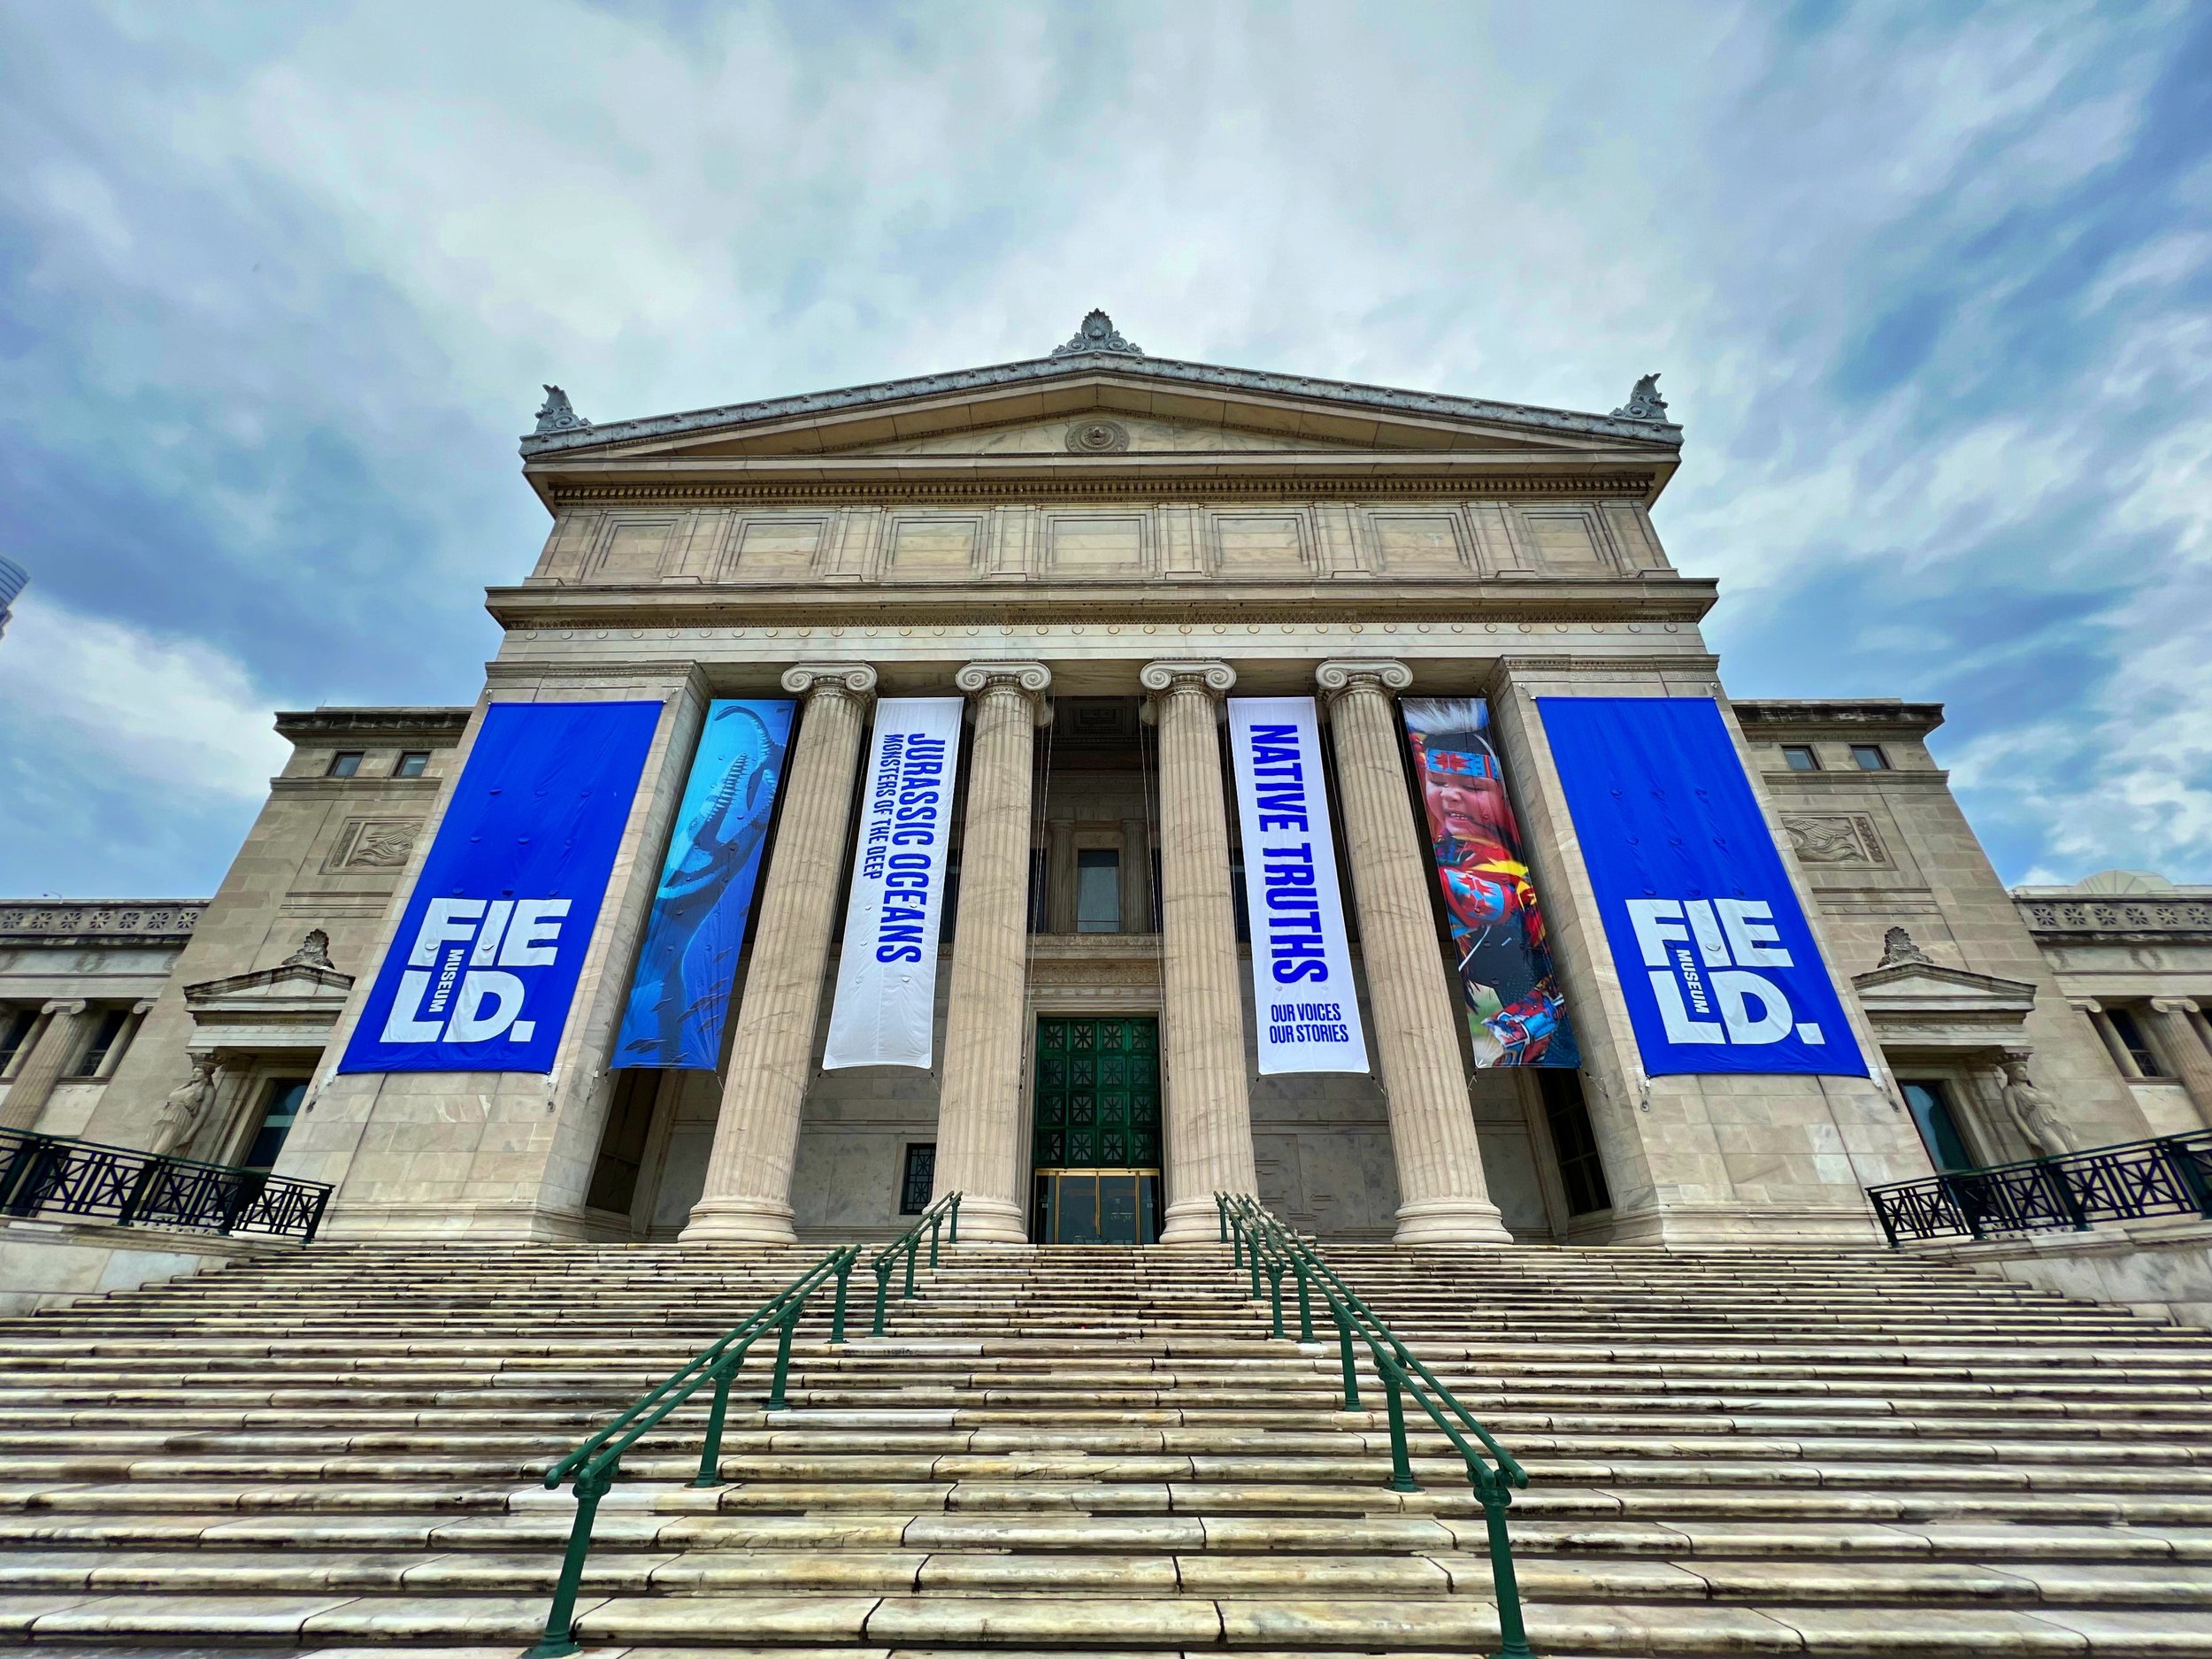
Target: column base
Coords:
[[738, 1221], [1451, 1221], [991, 1221], [1193, 1221]]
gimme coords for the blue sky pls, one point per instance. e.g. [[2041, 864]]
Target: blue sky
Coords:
[[1929, 287]]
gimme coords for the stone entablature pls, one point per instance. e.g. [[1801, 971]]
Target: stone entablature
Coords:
[[120, 921], [2118, 917]]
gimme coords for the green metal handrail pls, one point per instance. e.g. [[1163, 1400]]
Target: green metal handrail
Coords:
[[594, 1465], [944, 1212], [1262, 1247]]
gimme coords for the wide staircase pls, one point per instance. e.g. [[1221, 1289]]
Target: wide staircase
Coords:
[[1103, 1450]]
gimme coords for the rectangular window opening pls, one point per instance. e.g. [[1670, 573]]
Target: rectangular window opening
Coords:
[[1581, 1173], [1929, 1103], [614, 1176], [1800, 757], [15, 1030], [280, 1106], [345, 763], [919, 1176], [411, 764], [1097, 890], [1870, 757]]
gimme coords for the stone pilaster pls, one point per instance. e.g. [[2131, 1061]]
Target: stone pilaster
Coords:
[[978, 1112], [51, 1048], [1136, 876], [1209, 1104], [747, 1191], [2184, 1050], [1059, 877], [1443, 1195]]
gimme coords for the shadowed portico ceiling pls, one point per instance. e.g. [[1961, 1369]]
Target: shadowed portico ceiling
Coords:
[[1093, 414]]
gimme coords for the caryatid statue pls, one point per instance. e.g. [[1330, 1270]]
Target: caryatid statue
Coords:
[[2031, 1108], [182, 1112]]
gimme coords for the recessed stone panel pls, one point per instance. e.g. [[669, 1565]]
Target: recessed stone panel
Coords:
[[776, 550], [1420, 543], [1095, 544], [932, 548], [632, 550], [1565, 540], [1256, 544]]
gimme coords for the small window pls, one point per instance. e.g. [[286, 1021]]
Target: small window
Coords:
[[1800, 757], [1097, 890], [1929, 1103], [15, 1030], [107, 1032], [918, 1177], [614, 1173], [412, 763], [1568, 1114], [1870, 756], [345, 763], [2129, 1031]]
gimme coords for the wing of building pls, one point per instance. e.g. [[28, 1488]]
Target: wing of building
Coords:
[[1035, 586]]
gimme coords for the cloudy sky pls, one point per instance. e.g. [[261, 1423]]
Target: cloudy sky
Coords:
[[278, 284]]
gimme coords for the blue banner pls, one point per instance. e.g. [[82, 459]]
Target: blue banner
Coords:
[[481, 974], [679, 996], [1715, 958]]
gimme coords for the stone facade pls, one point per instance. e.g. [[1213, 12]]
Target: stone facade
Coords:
[[1093, 549]]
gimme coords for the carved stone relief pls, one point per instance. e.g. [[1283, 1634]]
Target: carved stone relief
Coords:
[[374, 843], [1835, 837]]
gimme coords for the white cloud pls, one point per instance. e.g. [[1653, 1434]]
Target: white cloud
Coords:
[[103, 698]]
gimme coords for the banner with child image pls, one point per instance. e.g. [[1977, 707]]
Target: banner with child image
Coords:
[[1500, 956]]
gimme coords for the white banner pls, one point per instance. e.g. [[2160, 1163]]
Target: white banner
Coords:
[[887, 979], [1304, 1007]]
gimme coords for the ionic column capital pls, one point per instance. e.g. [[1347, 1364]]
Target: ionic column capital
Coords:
[[1380, 674], [856, 680], [1213, 677], [63, 1006], [2088, 1005], [1030, 680], [2172, 1005]]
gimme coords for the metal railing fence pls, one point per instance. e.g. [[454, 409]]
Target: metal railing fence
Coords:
[[59, 1178], [1266, 1250], [594, 1465], [2170, 1176]]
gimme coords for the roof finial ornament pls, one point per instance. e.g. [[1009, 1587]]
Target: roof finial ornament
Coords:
[[1644, 403], [1098, 334], [558, 414], [1899, 951]]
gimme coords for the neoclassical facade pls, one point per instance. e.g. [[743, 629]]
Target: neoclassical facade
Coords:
[[1093, 549]]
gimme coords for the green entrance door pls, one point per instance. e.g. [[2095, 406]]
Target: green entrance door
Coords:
[[1096, 1144]]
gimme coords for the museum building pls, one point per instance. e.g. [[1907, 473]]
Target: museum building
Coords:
[[986, 781]]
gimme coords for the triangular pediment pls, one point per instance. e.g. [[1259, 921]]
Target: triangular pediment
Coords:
[[1099, 408], [1930, 988]]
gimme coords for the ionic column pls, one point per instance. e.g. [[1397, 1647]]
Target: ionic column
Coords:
[[2184, 1051], [1202, 1040], [2101, 1023], [978, 1112], [747, 1191], [1443, 1195], [1136, 876], [50, 1048]]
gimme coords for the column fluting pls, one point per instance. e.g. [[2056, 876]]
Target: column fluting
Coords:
[[747, 1191], [1209, 1105], [979, 1112], [50, 1050], [1444, 1197], [2182, 1049]]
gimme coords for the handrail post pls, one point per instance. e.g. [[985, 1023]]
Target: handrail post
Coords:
[[837, 1311], [883, 1292], [1252, 1260], [1305, 1300], [2183, 1163], [1221, 1214], [954, 1237], [783, 1355], [1344, 1343], [1275, 1282], [147, 1171], [936, 1222], [912, 1245], [560, 1618], [1400, 1461], [1505, 1585], [710, 1452]]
